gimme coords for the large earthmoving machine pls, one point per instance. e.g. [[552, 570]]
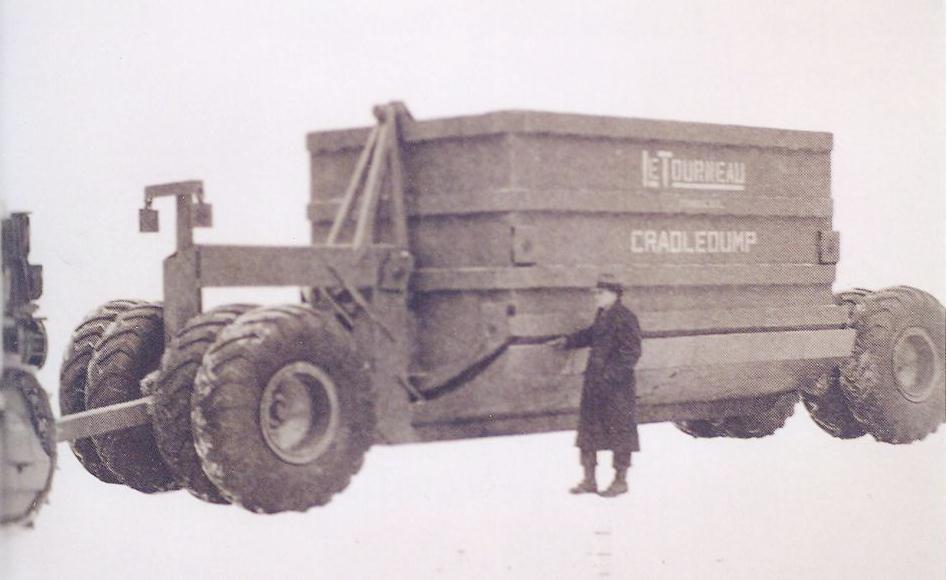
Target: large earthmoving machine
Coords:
[[445, 255], [27, 425]]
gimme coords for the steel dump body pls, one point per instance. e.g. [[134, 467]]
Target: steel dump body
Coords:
[[721, 235]]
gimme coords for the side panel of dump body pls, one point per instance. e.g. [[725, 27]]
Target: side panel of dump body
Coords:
[[722, 236]]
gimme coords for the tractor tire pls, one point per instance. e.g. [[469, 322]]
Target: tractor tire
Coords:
[[282, 411], [171, 406], [824, 398], [130, 349], [828, 407], [25, 420], [853, 297], [894, 381], [73, 378], [700, 428], [769, 416]]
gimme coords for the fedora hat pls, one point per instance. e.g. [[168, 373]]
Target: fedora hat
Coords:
[[609, 282]]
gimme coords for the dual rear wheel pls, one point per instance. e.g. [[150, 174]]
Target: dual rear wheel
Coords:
[[282, 410], [892, 387], [894, 382], [269, 408]]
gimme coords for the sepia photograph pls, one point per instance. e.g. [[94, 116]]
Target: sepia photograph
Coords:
[[468, 290]]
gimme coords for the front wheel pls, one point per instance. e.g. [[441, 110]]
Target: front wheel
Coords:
[[129, 351], [171, 405], [74, 378], [282, 411]]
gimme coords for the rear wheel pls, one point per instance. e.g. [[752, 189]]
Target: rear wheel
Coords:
[[700, 428], [828, 407], [894, 382], [282, 410], [765, 416], [73, 379], [129, 350], [823, 397], [768, 415], [171, 406]]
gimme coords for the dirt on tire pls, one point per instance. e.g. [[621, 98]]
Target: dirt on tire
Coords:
[[769, 415], [228, 399], [130, 349], [73, 378], [828, 407], [172, 392], [766, 415], [889, 411]]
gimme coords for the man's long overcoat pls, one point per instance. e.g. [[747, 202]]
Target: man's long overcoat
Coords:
[[607, 418]]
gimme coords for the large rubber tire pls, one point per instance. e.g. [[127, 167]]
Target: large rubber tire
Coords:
[[823, 397], [35, 402], [73, 378], [230, 402], [171, 418], [895, 407], [700, 428], [768, 416], [828, 407], [852, 297], [130, 349]]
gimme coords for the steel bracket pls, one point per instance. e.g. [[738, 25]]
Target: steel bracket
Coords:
[[396, 271], [828, 247]]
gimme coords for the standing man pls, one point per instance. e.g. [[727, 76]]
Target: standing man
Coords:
[[607, 407]]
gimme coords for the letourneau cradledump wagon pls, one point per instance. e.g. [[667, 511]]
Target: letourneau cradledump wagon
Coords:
[[445, 254]]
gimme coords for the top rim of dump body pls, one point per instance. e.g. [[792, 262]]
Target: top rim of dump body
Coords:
[[579, 125]]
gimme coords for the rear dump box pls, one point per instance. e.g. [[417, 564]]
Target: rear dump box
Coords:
[[722, 236]]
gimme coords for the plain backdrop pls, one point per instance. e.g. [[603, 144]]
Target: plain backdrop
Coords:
[[98, 99]]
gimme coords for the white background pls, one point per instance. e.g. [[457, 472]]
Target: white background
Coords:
[[99, 99]]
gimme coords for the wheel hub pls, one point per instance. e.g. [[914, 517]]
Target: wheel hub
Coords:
[[299, 412], [915, 365]]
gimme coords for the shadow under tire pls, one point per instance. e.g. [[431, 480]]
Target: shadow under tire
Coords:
[[73, 378], [130, 349], [171, 406], [768, 416], [283, 410], [894, 381]]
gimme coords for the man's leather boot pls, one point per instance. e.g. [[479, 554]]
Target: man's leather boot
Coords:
[[588, 484], [619, 486]]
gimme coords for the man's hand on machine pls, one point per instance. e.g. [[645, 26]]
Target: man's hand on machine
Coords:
[[558, 342]]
